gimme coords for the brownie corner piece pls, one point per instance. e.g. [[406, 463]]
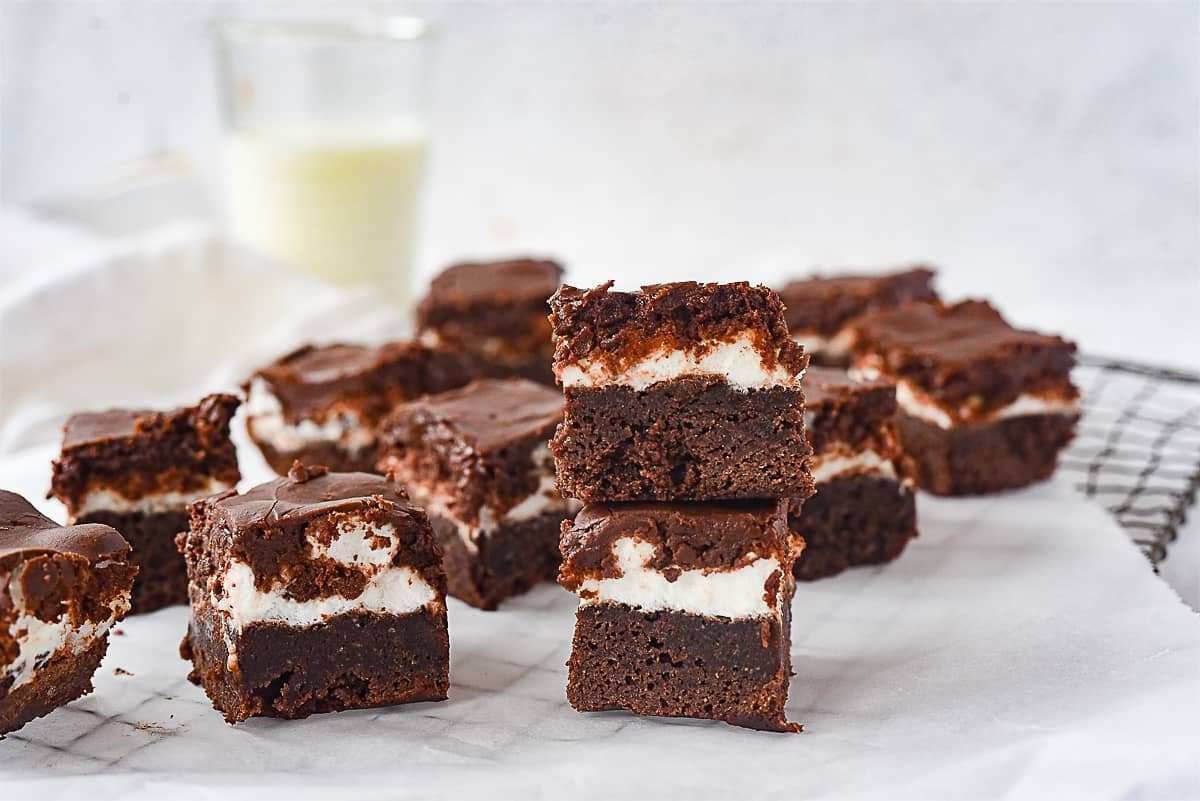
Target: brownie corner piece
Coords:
[[315, 592], [685, 610], [477, 460], [682, 391], [137, 470], [984, 406], [65, 587], [496, 311]]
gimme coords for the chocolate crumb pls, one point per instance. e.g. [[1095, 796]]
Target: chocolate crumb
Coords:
[[121, 672], [300, 474]]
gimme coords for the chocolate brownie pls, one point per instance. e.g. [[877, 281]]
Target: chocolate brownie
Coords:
[[137, 470], [321, 404], [317, 592], [819, 309], [497, 312], [61, 590], [681, 391], [983, 406], [477, 460], [684, 610], [863, 511]]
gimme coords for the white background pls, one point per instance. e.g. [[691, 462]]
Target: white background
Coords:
[[1042, 154]]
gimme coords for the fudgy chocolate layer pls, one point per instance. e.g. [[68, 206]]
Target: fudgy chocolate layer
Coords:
[[353, 661], [508, 561], [824, 305], [841, 413], [985, 457], [58, 683], [688, 439], [853, 520], [138, 452], [681, 665], [162, 573]]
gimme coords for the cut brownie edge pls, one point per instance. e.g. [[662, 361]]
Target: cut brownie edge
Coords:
[[162, 572], [853, 520], [678, 664], [983, 458], [60, 682], [689, 439]]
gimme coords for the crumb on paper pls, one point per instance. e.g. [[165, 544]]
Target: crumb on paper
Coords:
[[117, 632], [120, 671], [153, 727]]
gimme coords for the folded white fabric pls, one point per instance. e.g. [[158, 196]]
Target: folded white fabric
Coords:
[[160, 319]]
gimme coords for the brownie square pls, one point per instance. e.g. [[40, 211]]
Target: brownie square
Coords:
[[317, 592], [321, 404], [819, 309], [497, 312], [681, 391], [62, 589], [137, 471], [477, 460], [684, 611], [863, 512], [984, 406]]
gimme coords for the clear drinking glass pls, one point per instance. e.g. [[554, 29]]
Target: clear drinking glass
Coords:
[[326, 138]]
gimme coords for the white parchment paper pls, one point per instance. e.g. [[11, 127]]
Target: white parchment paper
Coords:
[[1021, 647]]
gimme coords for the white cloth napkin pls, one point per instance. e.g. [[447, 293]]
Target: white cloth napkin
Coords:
[[1020, 648]]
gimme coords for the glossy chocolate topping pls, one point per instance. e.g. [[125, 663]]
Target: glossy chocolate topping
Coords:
[[496, 282], [306, 492], [685, 535], [26, 532], [824, 304], [620, 328]]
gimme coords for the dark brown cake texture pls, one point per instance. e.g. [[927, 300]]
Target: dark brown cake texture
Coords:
[[984, 406], [863, 512], [684, 610], [61, 590], [477, 460], [495, 311], [321, 404], [682, 391], [317, 592], [137, 470], [820, 308]]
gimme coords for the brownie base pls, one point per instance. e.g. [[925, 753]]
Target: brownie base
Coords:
[[982, 458], [333, 456], [59, 683], [853, 520], [162, 572], [508, 561], [687, 439], [353, 661], [678, 664]]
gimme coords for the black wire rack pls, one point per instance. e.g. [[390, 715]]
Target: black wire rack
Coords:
[[1137, 448]]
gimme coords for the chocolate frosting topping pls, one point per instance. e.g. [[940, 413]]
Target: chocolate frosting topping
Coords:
[[26, 532], [312, 493], [496, 282]]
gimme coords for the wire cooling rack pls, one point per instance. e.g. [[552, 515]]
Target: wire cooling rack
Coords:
[[1137, 448]]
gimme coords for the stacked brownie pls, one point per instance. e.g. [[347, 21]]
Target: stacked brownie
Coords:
[[477, 459], [322, 404], [495, 311], [683, 432], [61, 590], [984, 406], [820, 310], [137, 471], [315, 592], [863, 511]]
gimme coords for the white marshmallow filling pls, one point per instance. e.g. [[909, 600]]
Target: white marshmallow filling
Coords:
[[866, 462], [264, 417], [916, 403], [108, 500], [740, 592], [39, 642], [390, 589], [736, 361]]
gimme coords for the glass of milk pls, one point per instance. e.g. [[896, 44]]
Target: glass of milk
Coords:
[[325, 144]]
